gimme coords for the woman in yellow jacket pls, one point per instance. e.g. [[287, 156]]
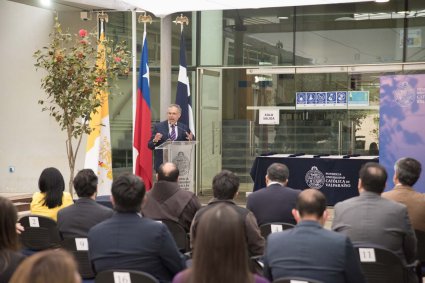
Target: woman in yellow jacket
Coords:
[[51, 197]]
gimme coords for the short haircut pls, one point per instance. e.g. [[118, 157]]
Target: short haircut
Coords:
[[278, 172], [225, 185], [408, 170], [311, 202], [168, 172], [176, 106], [85, 183], [374, 177], [128, 191]]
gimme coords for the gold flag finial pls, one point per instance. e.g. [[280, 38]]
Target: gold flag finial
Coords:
[[145, 18], [103, 17], [181, 20]]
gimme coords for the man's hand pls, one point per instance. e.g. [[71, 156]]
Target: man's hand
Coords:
[[19, 228], [157, 137], [189, 136]]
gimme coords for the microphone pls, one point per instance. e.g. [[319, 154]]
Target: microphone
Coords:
[[182, 130]]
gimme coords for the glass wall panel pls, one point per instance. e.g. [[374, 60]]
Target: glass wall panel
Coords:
[[415, 42]]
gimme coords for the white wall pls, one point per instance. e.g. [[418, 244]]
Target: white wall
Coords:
[[30, 139]]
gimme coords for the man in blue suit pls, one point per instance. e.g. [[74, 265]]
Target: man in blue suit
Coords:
[[275, 202], [130, 241], [310, 251], [168, 130]]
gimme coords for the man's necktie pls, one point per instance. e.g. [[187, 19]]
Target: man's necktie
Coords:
[[173, 133]]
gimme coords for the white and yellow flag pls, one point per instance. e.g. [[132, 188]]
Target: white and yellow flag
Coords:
[[98, 150]]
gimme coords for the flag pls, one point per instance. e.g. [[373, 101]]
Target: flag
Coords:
[[98, 149], [183, 97], [142, 125]]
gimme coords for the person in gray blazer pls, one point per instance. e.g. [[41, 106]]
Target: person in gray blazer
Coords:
[[77, 219], [275, 202], [310, 251], [372, 219]]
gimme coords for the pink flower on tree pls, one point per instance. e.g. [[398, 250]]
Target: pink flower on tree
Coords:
[[117, 59], [82, 32]]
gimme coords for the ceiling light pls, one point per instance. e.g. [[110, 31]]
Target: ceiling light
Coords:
[[46, 3], [382, 1]]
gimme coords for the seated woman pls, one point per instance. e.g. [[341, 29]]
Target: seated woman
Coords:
[[10, 258], [220, 253], [51, 197], [46, 267]]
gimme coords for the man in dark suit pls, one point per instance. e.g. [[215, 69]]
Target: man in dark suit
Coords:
[[225, 188], [310, 251], [275, 202], [130, 241], [407, 172], [372, 219], [77, 219], [167, 201], [168, 130]]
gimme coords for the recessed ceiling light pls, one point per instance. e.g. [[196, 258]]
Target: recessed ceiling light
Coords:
[[46, 2], [382, 1]]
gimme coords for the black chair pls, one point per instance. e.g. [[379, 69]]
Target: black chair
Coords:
[[114, 276], [269, 228], [179, 234], [80, 249], [40, 233], [256, 264], [382, 265], [295, 280]]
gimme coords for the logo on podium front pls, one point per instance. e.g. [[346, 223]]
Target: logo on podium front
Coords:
[[314, 178], [182, 163]]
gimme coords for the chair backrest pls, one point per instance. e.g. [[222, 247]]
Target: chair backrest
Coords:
[[179, 234], [295, 280], [381, 265], [269, 228], [79, 247], [420, 236], [40, 233], [124, 276]]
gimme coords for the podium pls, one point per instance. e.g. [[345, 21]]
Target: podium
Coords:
[[181, 153]]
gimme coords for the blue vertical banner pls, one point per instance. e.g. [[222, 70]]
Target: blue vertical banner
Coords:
[[402, 123]]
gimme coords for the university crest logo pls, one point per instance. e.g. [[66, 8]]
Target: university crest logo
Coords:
[[182, 163], [314, 178], [405, 94]]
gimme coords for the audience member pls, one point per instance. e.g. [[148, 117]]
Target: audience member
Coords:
[[167, 201], [10, 258], [130, 241], [309, 250], [77, 219], [51, 197], [225, 187], [372, 219], [46, 267], [275, 202], [406, 172], [220, 243], [373, 149]]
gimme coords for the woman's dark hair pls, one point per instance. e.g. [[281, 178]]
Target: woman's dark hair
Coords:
[[220, 250], [8, 218], [52, 184]]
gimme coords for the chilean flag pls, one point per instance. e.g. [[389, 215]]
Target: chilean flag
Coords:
[[142, 127]]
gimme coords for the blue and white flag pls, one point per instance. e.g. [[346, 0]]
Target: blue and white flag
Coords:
[[183, 97]]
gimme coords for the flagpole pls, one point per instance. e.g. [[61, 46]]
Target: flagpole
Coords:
[[134, 64], [181, 20]]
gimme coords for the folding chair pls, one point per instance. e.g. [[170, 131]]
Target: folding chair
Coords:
[[79, 247], [382, 265], [295, 280], [40, 233], [269, 228], [179, 234], [113, 276]]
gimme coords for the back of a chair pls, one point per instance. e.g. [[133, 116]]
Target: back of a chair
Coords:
[[124, 276], [179, 234], [40, 233], [79, 247], [269, 228], [381, 265], [295, 280], [420, 236]]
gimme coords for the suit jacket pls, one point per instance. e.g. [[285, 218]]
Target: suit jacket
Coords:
[[76, 220], [372, 219], [273, 204], [167, 201], [255, 241], [129, 241], [162, 128], [414, 201], [312, 252]]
